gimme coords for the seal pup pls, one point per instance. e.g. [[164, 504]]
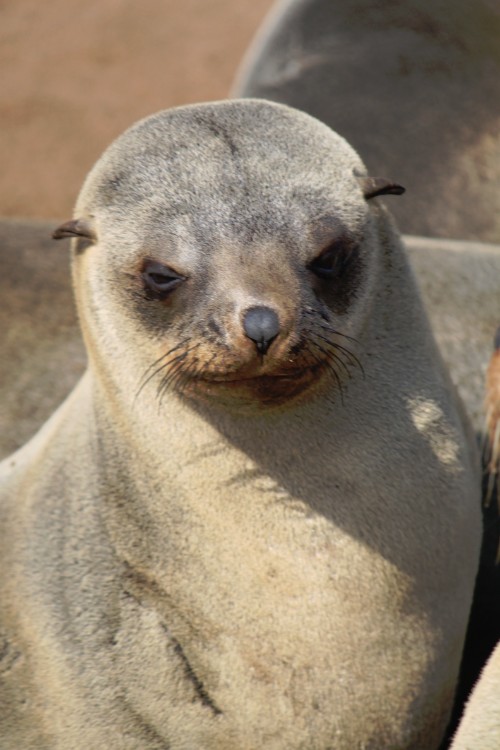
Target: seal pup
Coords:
[[386, 76], [255, 522]]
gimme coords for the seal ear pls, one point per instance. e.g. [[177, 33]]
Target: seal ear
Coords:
[[74, 228], [373, 186]]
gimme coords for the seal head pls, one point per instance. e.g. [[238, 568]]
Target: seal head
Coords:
[[247, 282]]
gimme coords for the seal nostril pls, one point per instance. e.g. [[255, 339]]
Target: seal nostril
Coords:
[[262, 325]]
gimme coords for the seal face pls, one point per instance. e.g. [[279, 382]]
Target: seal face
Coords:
[[250, 283], [263, 353]]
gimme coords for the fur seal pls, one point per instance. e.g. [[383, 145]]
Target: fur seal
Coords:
[[255, 522], [386, 76]]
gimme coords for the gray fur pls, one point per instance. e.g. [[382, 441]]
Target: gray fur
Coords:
[[205, 569], [414, 85]]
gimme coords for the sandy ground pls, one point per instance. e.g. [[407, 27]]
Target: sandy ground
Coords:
[[76, 74]]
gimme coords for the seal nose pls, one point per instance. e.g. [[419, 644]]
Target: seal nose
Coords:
[[262, 325]]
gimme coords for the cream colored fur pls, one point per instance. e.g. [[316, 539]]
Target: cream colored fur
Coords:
[[480, 726], [190, 574]]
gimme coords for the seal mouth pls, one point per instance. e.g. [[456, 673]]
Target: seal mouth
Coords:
[[311, 365], [268, 389], [249, 379]]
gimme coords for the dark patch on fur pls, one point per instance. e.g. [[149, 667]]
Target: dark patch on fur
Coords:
[[134, 577], [496, 340], [114, 188], [214, 327], [200, 690], [8, 655], [148, 732], [241, 223], [340, 290], [220, 132]]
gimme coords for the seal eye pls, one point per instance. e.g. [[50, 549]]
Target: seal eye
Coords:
[[160, 280], [330, 262]]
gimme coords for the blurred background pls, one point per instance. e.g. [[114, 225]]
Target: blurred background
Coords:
[[76, 74]]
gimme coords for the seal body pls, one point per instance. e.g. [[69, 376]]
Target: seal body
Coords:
[[255, 522], [386, 76]]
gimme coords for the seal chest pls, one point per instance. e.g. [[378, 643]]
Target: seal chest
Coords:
[[260, 540]]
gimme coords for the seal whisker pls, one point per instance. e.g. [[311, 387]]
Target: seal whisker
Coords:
[[336, 332], [180, 356], [333, 355], [145, 379], [166, 354], [353, 359], [328, 327], [191, 373], [204, 365], [171, 376], [331, 368], [176, 373]]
